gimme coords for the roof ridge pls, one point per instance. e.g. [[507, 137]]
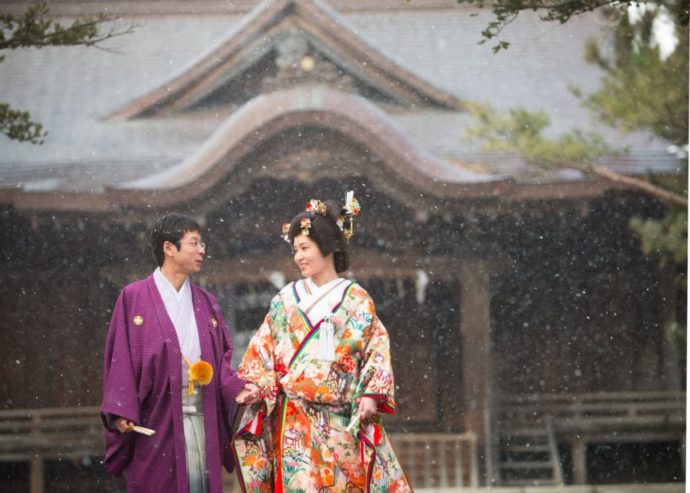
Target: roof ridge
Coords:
[[259, 32]]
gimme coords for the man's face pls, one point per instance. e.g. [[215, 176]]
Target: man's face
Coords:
[[189, 257]]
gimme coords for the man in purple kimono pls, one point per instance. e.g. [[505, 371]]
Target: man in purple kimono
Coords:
[[161, 327]]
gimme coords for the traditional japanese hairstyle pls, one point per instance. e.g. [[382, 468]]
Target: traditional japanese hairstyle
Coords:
[[329, 225]]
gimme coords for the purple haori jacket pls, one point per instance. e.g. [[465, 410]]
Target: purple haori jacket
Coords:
[[142, 381]]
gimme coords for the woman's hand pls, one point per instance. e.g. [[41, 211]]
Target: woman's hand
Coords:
[[124, 425], [249, 395], [367, 409]]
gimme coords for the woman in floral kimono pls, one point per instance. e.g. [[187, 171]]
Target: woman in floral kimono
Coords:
[[322, 370]]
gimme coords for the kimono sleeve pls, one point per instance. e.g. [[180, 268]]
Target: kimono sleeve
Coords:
[[230, 385], [376, 374], [120, 396], [258, 366], [230, 382]]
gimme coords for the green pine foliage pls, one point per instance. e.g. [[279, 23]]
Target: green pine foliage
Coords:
[[35, 29], [666, 238], [521, 132], [18, 125], [641, 90]]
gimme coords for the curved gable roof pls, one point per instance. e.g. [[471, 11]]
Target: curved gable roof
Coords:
[[401, 168], [278, 26], [271, 114]]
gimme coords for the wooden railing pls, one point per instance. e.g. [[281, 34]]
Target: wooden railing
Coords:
[[50, 433], [582, 419], [635, 409], [429, 459], [438, 459], [432, 459]]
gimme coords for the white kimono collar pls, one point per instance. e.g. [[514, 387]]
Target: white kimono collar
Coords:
[[180, 308], [309, 292], [168, 291]]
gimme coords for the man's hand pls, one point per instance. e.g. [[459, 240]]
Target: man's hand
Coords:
[[124, 425], [249, 395]]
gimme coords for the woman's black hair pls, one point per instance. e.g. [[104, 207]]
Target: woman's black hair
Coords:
[[170, 228], [325, 232]]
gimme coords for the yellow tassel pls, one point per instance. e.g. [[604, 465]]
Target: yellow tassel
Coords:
[[201, 372]]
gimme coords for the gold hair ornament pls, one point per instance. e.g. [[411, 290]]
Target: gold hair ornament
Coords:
[[346, 221], [316, 206], [305, 225]]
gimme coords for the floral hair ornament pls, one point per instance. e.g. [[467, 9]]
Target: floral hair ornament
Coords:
[[316, 207], [286, 232], [350, 211], [305, 225]]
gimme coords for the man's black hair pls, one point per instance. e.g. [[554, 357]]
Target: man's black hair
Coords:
[[170, 228]]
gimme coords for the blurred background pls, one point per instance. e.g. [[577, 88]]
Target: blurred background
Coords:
[[523, 181]]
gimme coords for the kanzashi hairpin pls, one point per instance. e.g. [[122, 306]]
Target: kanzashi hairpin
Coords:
[[305, 226], [345, 220], [316, 206], [350, 211]]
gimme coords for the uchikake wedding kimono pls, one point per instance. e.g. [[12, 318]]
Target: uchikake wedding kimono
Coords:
[[318, 351]]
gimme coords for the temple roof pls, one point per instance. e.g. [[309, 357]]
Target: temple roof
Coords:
[[168, 91], [296, 41]]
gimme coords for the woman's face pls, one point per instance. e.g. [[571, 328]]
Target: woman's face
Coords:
[[308, 257]]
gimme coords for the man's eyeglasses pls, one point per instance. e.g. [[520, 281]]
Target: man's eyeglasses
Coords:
[[195, 244]]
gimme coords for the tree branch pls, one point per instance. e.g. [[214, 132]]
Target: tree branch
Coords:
[[17, 125], [505, 11], [36, 29], [629, 181], [640, 184]]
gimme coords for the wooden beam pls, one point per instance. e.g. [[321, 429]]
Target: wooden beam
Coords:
[[579, 454], [364, 265], [476, 354], [670, 360], [37, 474]]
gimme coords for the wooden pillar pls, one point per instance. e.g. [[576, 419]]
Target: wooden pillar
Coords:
[[476, 354], [670, 360], [579, 453], [37, 475]]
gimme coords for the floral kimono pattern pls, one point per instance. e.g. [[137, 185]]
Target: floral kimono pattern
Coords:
[[296, 439]]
